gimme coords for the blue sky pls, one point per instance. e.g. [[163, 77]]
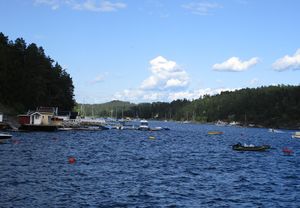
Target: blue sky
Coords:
[[160, 50]]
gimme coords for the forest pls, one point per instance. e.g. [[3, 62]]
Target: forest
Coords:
[[269, 106], [29, 78]]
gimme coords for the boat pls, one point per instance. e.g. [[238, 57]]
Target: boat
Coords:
[[64, 129], [215, 132], [296, 135], [275, 131], [220, 123], [144, 125], [251, 147], [91, 128], [5, 136]]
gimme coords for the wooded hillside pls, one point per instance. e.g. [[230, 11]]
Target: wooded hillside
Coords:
[[29, 78], [272, 106]]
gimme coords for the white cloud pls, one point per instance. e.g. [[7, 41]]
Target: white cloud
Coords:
[[201, 8], [234, 64], [167, 82], [99, 6], [288, 62], [88, 5], [150, 82], [138, 95], [165, 75], [54, 4]]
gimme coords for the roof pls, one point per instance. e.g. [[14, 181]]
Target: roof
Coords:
[[46, 109], [35, 113]]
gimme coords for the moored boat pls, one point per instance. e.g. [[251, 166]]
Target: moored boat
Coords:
[[5, 136], [251, 147], [144, 125], [296, 135], [215, 132], [275, 131]]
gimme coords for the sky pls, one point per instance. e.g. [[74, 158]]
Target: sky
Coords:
[[162, 50]]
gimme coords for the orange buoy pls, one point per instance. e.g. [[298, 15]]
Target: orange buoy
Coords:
[[72, 160]]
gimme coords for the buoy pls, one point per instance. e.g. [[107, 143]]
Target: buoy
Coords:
[[287, 151], [151, 137], [72, 160]]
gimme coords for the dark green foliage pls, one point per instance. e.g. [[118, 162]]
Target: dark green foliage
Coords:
[[28, 78], [273, 106], [111, 109]]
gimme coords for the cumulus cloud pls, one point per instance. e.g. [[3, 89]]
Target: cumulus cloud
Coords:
[[167, 82], [234, 64], [201, 8], [165, 74], [288, 62], [88, 5]]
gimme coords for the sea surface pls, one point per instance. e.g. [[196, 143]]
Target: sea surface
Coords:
[[182, 167]]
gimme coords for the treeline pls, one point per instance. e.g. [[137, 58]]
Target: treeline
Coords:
[[114, 109], [272, 106], [29, 78]]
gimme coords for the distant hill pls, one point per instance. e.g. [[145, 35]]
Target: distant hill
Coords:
[[110, 109]]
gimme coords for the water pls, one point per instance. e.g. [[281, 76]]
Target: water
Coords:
[[183, 167]]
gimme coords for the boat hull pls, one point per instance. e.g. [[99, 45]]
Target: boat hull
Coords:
[[5, 136], [254, 148], [215, 133]]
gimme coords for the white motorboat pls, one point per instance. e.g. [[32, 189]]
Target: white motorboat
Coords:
[[144, 125], [296, 135], [5, 136]]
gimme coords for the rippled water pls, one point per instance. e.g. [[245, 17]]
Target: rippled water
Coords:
[[183, 167]]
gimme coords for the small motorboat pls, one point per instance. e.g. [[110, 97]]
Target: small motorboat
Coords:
[[64, 129], [144, 126], [215, 132], [275, 131], [296, 135], [158, 128], [250, 147], [5, 136]]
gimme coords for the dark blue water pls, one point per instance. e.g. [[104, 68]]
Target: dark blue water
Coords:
[[183, 167]]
